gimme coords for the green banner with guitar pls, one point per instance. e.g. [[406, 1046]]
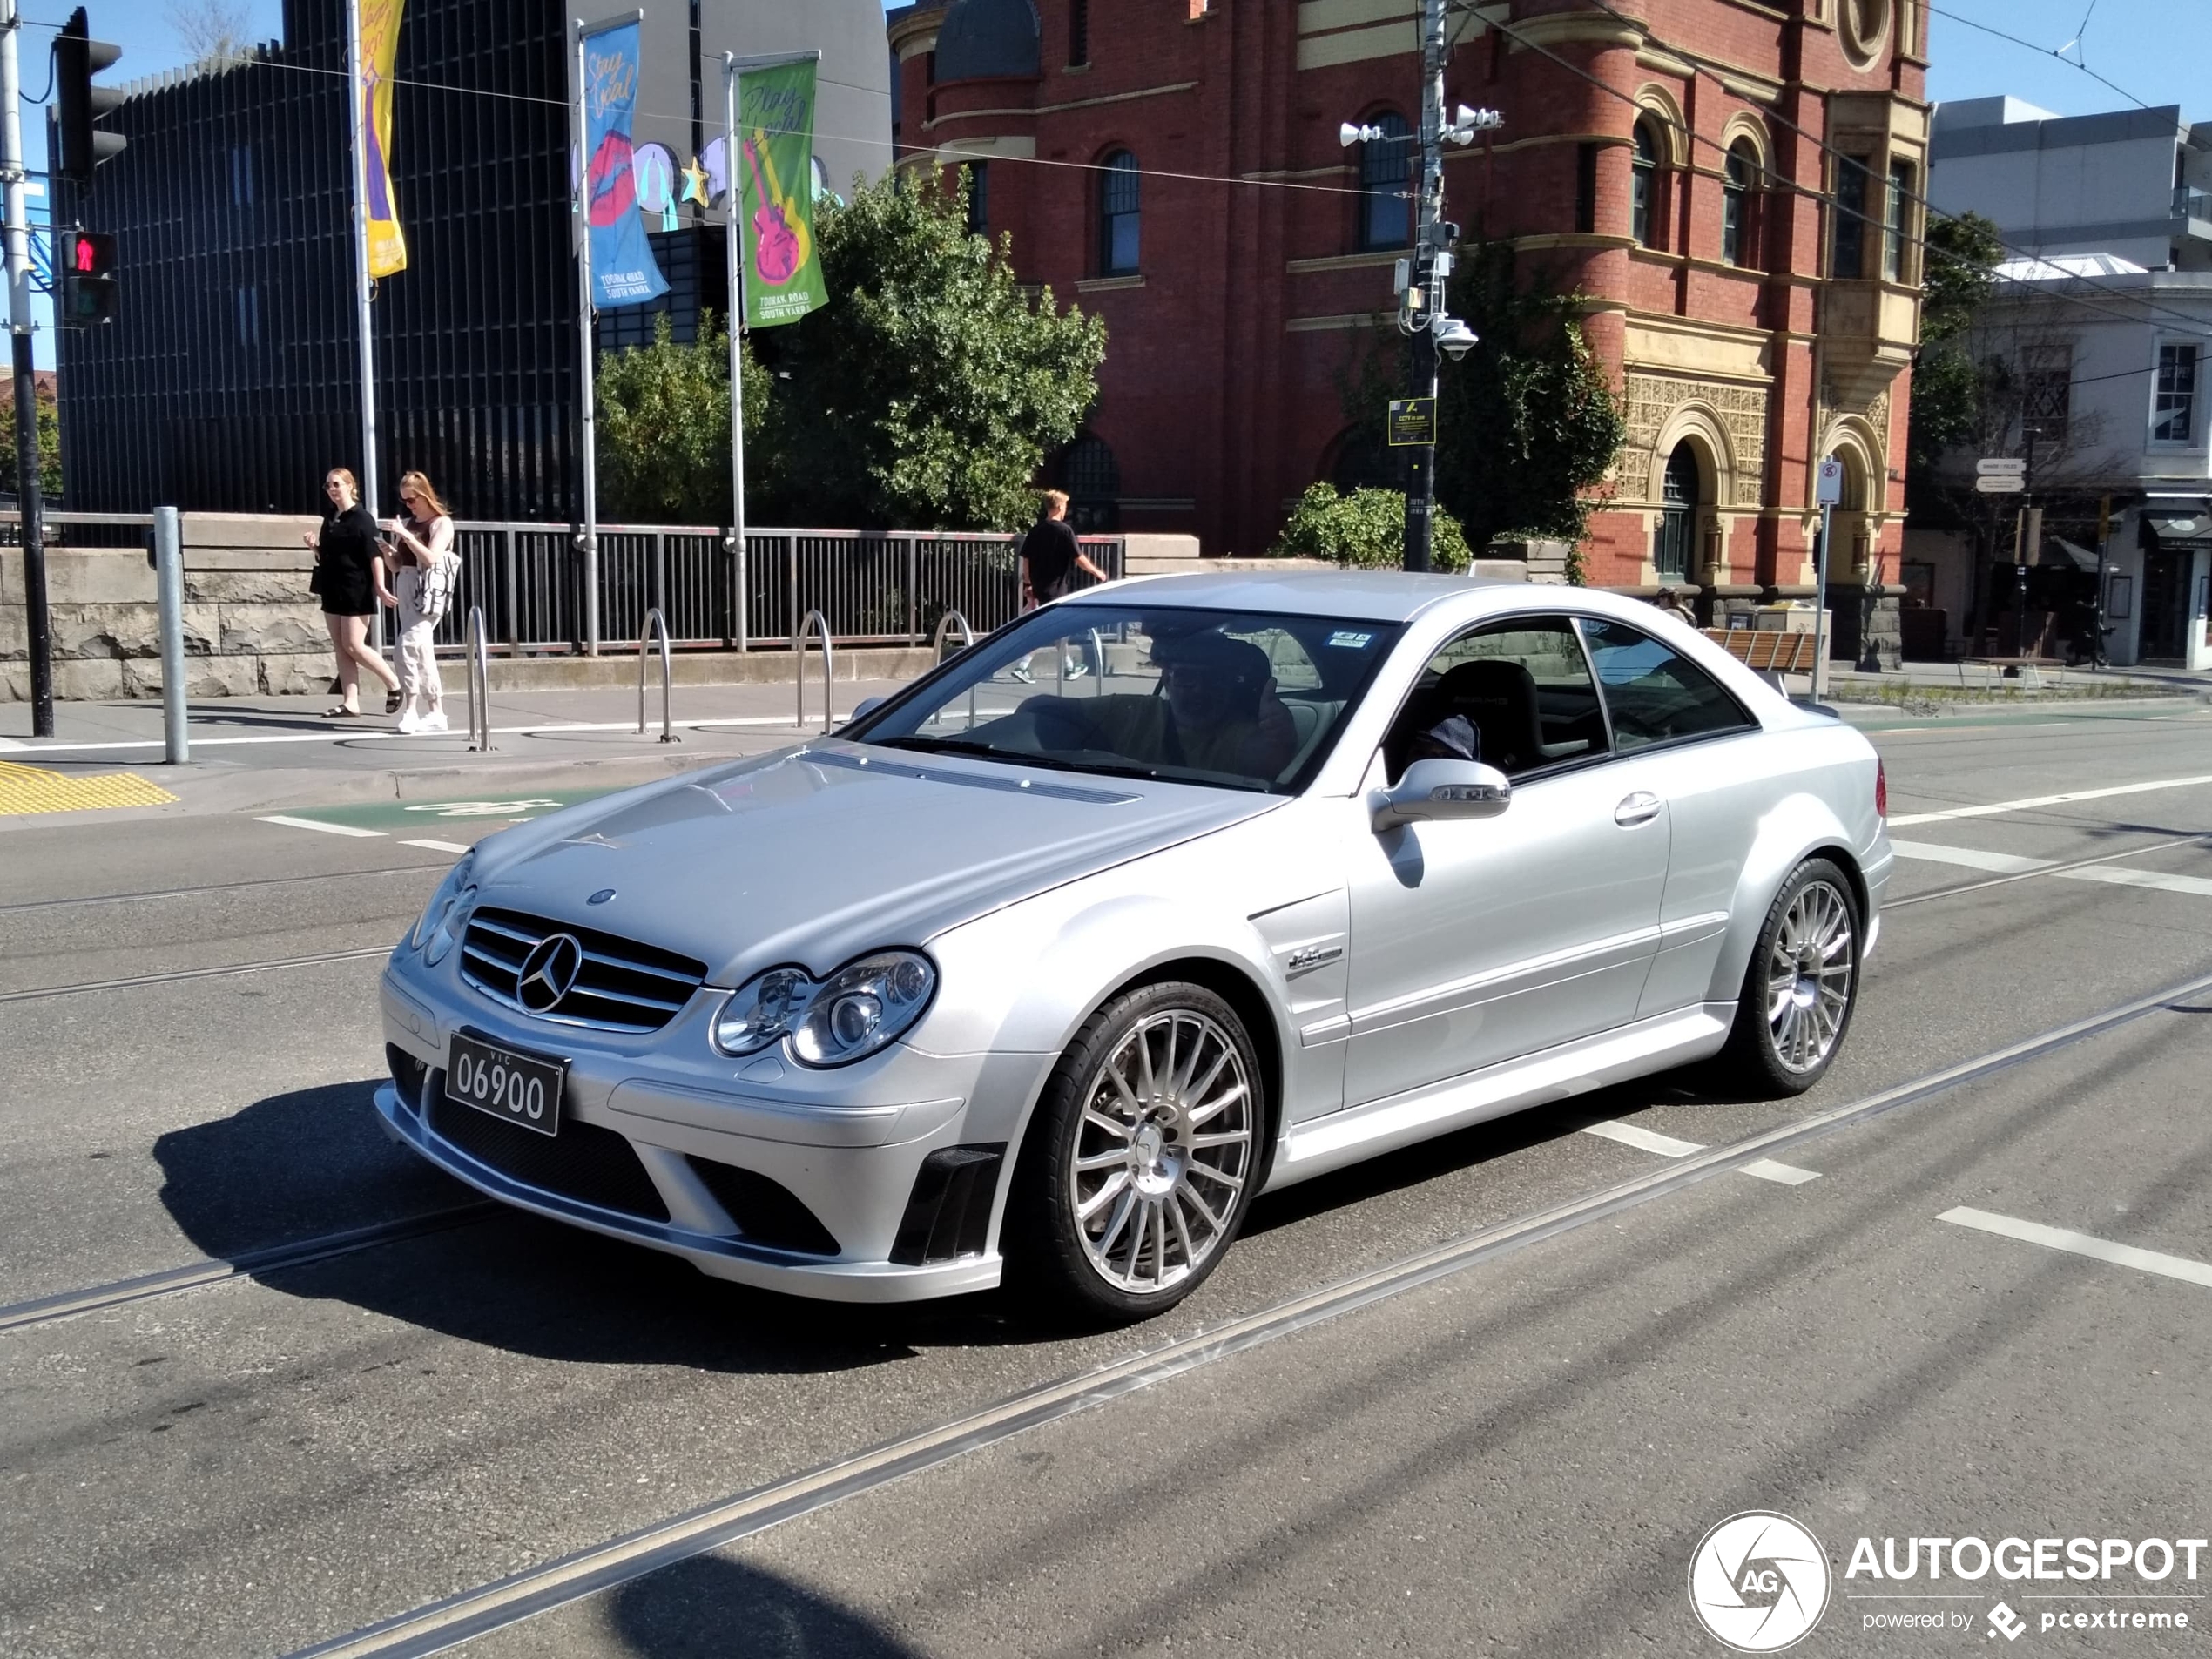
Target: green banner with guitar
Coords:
[[783, 277]]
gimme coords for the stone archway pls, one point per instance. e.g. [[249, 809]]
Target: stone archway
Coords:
[[1694, 434]]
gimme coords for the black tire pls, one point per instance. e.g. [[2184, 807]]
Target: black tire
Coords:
[[1772, 1050], [1074, 1238]]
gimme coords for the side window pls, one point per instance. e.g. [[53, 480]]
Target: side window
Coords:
[[1518, 694], [1654, 695]]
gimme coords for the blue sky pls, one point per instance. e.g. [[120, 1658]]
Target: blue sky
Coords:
[[2156, 49]]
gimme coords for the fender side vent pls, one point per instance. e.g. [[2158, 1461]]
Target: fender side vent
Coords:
[[949, 1214]]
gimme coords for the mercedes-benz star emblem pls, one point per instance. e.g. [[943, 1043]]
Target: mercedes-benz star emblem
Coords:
[[548, 973]]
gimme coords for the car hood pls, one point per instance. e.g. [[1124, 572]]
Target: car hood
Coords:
[[814, 855]]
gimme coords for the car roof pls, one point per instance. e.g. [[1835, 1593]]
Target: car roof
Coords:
[[1371, 596]]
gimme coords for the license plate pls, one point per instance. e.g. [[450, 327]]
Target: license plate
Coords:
[[522, 1087]]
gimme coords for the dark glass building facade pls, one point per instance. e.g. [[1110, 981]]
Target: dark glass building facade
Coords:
[[231, 380]]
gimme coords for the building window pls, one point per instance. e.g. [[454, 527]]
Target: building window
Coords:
[[1896, 215], [1586, 187], [2047, 398], [1847, 235], [1737, 235], [1678, 517], [1643, 186], [1117, 221], [1093, 480], [1385, 173], [1078, 33], [2173, 417], [979, 197]]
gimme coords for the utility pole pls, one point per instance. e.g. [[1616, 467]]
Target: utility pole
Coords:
[[1429, 251], [27, 497]]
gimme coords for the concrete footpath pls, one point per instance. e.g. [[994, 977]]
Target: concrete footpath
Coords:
[[253, 753]]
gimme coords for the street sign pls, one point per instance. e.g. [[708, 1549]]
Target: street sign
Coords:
[[2003, 483], [1831, 490], [2001, 467], [1412, 421]]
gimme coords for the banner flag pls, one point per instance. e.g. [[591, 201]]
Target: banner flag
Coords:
[[623, 270], [783, 277], [379, 46]]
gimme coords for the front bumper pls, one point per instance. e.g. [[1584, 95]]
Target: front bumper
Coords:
[[881, 1182]]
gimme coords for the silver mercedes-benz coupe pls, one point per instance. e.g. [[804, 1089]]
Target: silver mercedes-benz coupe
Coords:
[[1180, 890]]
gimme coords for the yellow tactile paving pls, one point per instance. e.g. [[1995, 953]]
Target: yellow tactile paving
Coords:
[[33, 789]]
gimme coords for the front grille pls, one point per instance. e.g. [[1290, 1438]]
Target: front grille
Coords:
[[767, 1211], [621, 985], [583, 1162]]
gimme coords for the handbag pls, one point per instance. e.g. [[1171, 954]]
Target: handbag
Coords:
[[315, 579]]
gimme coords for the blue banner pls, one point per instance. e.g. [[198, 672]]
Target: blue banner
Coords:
[[623, 270]]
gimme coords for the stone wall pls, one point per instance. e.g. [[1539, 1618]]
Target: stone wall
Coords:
[[251, 626]]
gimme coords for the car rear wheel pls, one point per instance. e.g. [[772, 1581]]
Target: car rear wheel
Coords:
[[1801, 985], [1141, 1161]]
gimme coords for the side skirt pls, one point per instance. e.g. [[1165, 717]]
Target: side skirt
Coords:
[[1636, 1050]]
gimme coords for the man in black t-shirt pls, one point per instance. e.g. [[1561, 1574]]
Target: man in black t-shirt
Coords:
[[1050, 555]]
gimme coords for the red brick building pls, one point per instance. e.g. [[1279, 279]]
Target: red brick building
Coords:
[[1175, 166]]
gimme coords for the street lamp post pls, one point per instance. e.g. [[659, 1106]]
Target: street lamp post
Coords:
[[1421, 315]]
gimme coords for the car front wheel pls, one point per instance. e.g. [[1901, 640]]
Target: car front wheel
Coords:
[[1143, 1157], [1801, 985]]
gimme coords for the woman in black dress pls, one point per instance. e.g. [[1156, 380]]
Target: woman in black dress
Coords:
[[346, 550]]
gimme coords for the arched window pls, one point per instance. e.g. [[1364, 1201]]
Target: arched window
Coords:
[[1678, 516], [1093, 480], [1739, 230], [1385, 174], [1117, 219], [1643, 186], [1362, 461]]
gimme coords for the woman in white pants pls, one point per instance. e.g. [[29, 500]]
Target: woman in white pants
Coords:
[[424, 564]]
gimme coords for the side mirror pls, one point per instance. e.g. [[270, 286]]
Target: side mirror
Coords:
[[1433, 791], [866, 706]]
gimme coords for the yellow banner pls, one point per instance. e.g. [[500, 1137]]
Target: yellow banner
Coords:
[[380, 47]]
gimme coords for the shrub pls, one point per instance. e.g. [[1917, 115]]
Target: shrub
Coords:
[[1365, 529]]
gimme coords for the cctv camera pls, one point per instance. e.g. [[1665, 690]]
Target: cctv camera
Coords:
[[1454, 338]]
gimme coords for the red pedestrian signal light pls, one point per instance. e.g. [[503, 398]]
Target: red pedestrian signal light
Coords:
[[90, 293]]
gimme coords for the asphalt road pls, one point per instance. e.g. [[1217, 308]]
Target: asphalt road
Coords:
[[1611, 1341]]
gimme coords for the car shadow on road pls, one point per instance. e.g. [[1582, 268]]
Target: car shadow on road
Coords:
[[708, 1608], [314, 1161]]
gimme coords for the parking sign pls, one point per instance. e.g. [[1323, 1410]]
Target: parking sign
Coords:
[[1831, 490]]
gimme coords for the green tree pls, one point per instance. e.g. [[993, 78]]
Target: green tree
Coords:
[[663, 413], [50, 443], [1953, 393], [1366, 529], [928, 391]]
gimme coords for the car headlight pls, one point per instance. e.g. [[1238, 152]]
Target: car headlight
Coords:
[[433, 933], [861, 1008]]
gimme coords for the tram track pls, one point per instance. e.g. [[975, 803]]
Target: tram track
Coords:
[[322, 877], [1964, 887], [214, 971]]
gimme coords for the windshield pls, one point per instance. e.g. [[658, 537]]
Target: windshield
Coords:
[[1232, 699]]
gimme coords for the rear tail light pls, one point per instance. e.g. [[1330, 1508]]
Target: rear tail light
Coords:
[[1881, 790]]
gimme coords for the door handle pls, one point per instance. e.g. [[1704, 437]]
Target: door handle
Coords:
[[1639, 808]]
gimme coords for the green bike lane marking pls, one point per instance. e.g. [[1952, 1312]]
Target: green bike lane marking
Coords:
[[463, 817]]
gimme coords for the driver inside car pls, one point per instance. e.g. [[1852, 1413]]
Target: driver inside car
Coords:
[[1215, 711]]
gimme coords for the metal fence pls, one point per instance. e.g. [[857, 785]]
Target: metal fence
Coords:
[[876, 587]]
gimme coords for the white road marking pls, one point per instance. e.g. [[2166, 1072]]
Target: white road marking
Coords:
[[1972, 857], [1644, 1140], [309, 823], [438, 847], [1992, 808], [2103, 1249], [1788, 1174], [2117, 877]]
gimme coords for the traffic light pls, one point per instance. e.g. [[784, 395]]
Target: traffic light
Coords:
[[89, 290], [77, 58]]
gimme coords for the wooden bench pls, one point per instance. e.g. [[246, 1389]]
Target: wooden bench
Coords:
[[1766, 649]]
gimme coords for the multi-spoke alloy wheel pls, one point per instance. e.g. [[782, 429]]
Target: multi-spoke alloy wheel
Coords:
[[1810, 967], [1143, 1155], [1800, 986]]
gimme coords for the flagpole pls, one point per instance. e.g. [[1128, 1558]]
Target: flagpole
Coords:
[[589, 542], [733, 257], [369, 480]]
